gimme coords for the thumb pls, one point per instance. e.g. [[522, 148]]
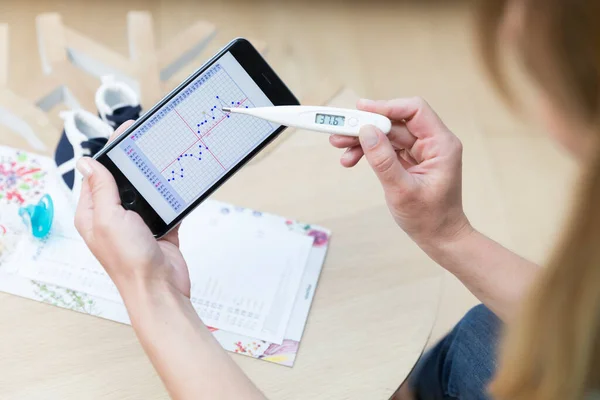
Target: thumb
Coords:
[[103, 187], [382, 157]]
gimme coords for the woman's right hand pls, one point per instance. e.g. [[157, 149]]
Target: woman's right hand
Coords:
[[419, 165]]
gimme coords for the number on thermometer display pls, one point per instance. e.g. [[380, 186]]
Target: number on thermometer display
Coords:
[[327, 119]]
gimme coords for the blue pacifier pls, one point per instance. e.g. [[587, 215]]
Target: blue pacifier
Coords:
[[39, 216]]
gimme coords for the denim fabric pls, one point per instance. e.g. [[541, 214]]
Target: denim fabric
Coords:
[[462, 364]]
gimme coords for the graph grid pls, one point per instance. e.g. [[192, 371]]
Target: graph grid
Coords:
[[191, 142]]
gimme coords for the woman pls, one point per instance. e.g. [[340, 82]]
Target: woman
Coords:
[[552, 315]]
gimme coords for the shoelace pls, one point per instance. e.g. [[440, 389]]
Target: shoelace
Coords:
[[123, 114], [93, 145]]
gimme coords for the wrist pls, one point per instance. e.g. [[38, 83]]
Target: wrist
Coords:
[[143, 297], [440, 245], [139, 281]]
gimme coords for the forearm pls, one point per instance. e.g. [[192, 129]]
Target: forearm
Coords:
[[494, 274], [188, 359]]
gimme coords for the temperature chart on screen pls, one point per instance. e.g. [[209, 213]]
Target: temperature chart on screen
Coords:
[[184, 148]]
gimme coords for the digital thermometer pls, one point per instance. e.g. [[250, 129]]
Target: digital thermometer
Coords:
[[339, 121]]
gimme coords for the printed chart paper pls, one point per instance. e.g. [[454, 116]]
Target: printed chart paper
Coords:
[[247, 279], [244, 278]]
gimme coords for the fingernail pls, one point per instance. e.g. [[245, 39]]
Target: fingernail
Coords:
[[83, 166], [365, 102], [368, 137], [347, 155]]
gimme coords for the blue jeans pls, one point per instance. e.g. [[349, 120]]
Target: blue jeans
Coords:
[[462, 364]]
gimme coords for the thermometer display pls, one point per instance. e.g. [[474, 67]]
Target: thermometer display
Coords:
[[328, 119]]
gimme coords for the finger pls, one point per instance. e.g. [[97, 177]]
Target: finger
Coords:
[[84, 212], [352, 156], [400, 136], [103, 188], [343, 141], [382, 157], [121, 129], [406, 156], [172, 236], [405, 164], [420, 118]]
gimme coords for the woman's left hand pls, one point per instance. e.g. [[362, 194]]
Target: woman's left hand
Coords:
[[120, 239], [154, 281]]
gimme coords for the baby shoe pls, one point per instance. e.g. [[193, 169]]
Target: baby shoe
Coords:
[[84, 134], [116, 102]]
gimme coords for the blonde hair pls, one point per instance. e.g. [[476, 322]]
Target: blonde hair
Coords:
[[552, 349]]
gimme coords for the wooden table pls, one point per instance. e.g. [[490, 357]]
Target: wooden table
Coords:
[[374, 307], [372, 314]]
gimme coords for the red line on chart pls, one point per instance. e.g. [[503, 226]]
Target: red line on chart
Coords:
[[214, 126], [221, 120], [171, 163], [199, 139], [185, 122]]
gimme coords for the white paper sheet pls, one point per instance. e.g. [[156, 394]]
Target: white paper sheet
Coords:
[[62, 258], [245, 278]]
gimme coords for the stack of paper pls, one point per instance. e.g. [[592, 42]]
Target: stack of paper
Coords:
[[253, 274], [259, 270]]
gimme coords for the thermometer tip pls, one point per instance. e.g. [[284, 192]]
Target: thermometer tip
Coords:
[[226, 109]]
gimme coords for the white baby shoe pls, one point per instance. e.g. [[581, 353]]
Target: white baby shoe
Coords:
[[117, 102]]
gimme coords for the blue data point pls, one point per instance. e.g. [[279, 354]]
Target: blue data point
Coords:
[[39, 216]]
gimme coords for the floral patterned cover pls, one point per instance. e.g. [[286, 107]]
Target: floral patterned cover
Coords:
[[23, 180]]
